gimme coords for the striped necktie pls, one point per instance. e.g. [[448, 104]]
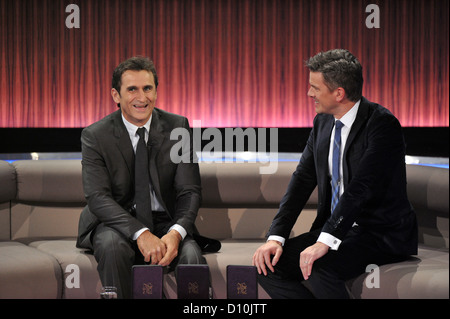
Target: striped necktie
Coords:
[[335, 179]]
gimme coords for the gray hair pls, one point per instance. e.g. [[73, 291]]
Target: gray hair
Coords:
[[339, 68]]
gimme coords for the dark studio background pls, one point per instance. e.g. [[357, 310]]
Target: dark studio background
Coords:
[[224, 63]]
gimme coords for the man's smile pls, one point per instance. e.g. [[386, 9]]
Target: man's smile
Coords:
[[139, 106]]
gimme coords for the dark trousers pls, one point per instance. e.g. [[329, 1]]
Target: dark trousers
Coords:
[[329, 273], [116, 254]]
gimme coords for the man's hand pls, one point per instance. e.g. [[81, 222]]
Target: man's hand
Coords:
[[152, 248], [309, 256], [172, 240], [261, 258]]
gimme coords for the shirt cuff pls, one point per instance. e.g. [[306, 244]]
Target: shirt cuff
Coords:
[[138, 233], [329, 240], [277, 238], [179, 229]]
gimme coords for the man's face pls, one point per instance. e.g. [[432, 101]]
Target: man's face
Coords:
[[137, 96], [324, 99]]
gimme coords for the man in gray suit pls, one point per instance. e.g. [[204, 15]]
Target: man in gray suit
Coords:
[[110, 224]]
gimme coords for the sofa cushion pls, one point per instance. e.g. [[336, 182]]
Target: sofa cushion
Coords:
[[428, 193], [26, 272], [8, 178], [78, 267], [233, 252], [242, 185], [8, 192], [30, 223], [49, 182], [425, 276], [49, 199], [246, 223]]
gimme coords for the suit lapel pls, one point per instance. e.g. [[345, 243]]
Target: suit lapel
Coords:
[[155, 140], [361, 117], [324, 142], [123, 142], [359, 121], [323, 151]]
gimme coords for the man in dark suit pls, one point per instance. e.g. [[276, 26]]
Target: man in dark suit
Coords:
[[370, 220], [110, 224]]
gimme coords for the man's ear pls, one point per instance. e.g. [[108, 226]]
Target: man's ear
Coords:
[[340, 94], [115, 95]]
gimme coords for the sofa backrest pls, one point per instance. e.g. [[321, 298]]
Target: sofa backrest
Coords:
[[49, 183], [59, 183], [48, 201], [44, 199], [429, 195], [50, 197], [8, 190], [242, 184], [240, 200]]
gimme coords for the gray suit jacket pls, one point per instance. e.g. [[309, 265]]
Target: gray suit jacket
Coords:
[[108, 175]]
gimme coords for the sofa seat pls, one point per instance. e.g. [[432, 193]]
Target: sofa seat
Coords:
[[425, 276], [40, 204], [80, 279], [233, 252], [27, 273]]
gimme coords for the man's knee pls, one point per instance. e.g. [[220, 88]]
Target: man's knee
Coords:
[[325, 283], [190, 253], [110, 245]]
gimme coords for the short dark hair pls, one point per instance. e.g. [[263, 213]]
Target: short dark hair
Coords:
[[339, 68], [136, 63]]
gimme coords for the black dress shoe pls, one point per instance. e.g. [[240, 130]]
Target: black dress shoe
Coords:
[[207, 245]]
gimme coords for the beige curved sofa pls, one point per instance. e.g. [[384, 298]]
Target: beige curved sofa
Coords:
[[40, 203]]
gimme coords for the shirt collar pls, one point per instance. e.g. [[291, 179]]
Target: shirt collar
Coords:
[[350, 116], [132, 129]]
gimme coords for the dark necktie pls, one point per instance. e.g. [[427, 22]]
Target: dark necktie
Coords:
[[142, 182], [335, 180]]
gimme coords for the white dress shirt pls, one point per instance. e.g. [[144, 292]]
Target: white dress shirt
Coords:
[[156, 206]]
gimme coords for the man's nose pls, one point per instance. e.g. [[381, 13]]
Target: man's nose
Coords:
[[141, 95]]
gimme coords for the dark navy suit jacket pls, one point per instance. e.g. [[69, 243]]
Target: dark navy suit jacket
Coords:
[[374, 195]]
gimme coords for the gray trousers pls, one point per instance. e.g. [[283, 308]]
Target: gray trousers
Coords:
[[116, 254]]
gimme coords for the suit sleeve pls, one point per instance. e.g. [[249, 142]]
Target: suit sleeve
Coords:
[[187, 185], [301, 185]]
